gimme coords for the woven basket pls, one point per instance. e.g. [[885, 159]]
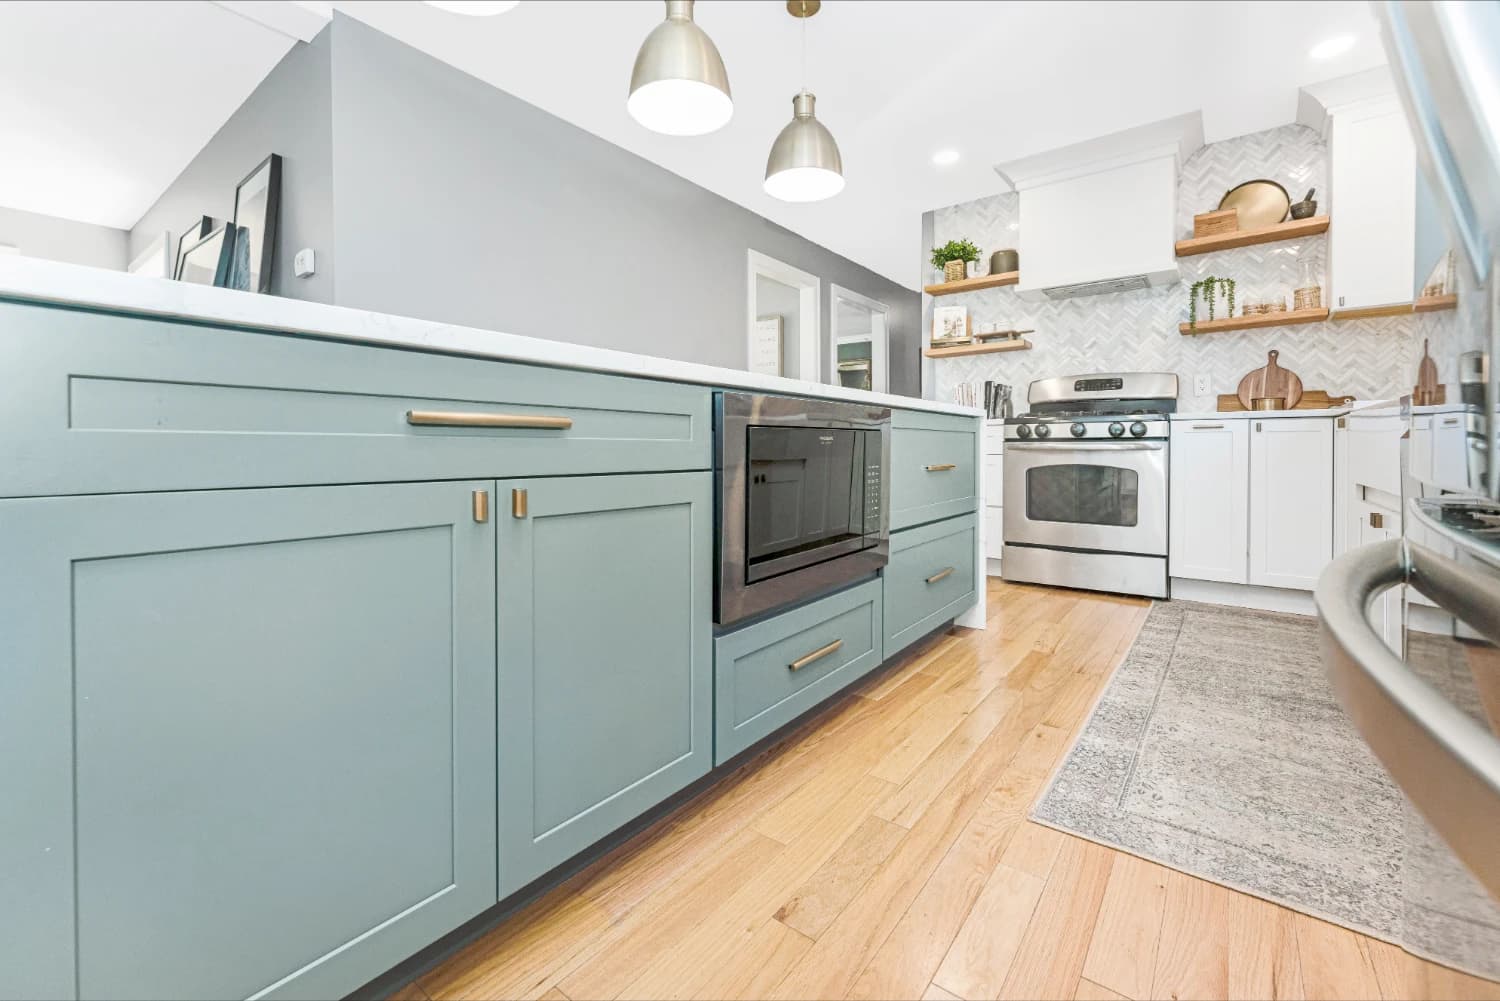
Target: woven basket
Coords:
[[1308, 298], [954, 271]]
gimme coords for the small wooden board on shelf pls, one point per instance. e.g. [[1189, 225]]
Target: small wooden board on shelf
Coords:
[[1433, 303], [1288, 318], [1312, 399], [960, 350], [1291, 230], [974, 284]]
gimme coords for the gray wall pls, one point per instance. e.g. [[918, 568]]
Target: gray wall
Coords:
[[289, 113], [461, 203], [773, 298], [54, 239]]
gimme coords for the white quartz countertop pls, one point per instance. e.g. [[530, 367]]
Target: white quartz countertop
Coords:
[[1240, 415], [33, 280]]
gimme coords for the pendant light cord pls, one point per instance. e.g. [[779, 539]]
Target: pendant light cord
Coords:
[[803, 19]]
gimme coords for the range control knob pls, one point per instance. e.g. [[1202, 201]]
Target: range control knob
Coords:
[[1116, 429], [1023, 430], [1078, 430], [1137, 429], [1043, 431]]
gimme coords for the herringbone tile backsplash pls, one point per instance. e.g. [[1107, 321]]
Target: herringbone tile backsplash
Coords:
[[1137, 331]]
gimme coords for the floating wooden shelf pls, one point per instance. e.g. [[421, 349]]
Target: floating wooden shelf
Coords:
[[1431, 304], [959, 350], [974, 284], [1287, 319], [1250, 237]]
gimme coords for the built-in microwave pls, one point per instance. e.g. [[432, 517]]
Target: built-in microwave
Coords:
[[801, 499]]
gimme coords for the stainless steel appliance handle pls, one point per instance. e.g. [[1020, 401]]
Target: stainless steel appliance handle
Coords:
[[1443, 760], [1085, 446]]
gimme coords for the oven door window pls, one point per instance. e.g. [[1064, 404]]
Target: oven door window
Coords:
[[805, 496], [1083, 495]]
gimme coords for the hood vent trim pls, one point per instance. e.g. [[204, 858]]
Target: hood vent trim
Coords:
[[1130, 283]]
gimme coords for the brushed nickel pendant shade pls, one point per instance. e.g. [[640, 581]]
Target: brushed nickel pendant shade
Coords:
[[804, 165], [679, 86]]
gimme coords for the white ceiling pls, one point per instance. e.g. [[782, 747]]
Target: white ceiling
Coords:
[[103, 103], [110, 100]]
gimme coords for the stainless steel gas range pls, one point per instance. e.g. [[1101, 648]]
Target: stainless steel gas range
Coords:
[[1086, 483]]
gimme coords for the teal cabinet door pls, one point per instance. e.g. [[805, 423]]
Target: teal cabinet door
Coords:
[[258, 726], [605, 697]]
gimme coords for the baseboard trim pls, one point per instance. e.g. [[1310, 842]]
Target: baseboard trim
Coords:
[[1422, 618]]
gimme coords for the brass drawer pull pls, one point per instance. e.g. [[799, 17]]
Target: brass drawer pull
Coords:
[[1377, 520], [444, 418], [1208, 427], [940, 575], [818, 654], [941, 467], [518, 503], [481, 506]]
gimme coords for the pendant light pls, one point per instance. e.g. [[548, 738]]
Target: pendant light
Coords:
[[679, 87], [804, 165]]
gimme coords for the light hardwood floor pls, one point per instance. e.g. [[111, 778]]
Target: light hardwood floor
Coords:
[[882, 850]]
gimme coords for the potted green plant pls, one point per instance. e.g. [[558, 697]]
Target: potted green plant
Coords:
[[953, 257], [1211, 289]]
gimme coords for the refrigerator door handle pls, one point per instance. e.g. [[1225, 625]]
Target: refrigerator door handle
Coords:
[[1445, 762]]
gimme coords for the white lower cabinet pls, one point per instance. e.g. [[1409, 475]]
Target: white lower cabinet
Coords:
[[1372, 523], [1291, 501], [1252, 500], [1209, 500], [994, 491]]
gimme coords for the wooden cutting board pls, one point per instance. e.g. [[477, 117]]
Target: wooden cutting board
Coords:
[[1426, 392], [1273, 380], [1312, 399]]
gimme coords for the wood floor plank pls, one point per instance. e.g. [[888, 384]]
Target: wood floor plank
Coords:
[[1049, 962], [720, 934], [1264, 964], [616, 954], [411, 992], [936, 993], [517, 959], [1122, 953], [1430, 980], [1033, 849], [980, 956], [759, 966], [1090, 991], [1334, 967], [1192, 958], [814, 905], [555, 995], [1394, 968]]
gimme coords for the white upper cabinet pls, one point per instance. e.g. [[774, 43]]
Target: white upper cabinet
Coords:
[[1209, 499], [1291, 501], [1372, 200]]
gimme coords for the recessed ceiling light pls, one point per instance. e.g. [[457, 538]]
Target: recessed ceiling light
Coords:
[[474, 8], [1330, 47], [944, 157]]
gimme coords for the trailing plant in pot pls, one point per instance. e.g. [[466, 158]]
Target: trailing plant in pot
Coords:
[[1210, 288], [952, 257]]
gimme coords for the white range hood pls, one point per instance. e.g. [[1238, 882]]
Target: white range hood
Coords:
[[1100, 216]]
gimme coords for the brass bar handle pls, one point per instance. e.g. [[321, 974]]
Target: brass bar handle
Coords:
[[1208, 427], [452, 419], [818, 654], [518, 505], [940, 575], [1377, 520], [941, 467], [481, 506]]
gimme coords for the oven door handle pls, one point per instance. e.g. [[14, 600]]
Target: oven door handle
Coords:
[[1444, 761], [1086, 446]]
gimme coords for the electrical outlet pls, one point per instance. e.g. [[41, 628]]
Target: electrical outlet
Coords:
[[1201, 386]]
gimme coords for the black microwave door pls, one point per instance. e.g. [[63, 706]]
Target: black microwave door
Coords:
[[805, 500]]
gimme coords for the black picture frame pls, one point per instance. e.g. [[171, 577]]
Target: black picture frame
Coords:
[[189, 238], [215, 250], [257, 204]]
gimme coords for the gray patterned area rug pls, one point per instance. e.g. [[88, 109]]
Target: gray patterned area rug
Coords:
[[1218, 749]]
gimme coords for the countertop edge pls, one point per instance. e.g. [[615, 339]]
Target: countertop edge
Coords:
[[26, 279]]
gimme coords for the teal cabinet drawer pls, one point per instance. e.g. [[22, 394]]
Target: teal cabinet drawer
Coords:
[[933, 467], [770, 673], [99, 403], [929, 580]]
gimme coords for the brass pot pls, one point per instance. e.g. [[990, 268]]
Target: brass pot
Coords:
[[1268, 403], [1004, 261]]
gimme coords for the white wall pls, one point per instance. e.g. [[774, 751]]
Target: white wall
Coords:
[[57, 239]]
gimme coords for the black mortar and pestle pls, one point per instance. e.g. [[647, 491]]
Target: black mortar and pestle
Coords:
[[1306, 208]]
